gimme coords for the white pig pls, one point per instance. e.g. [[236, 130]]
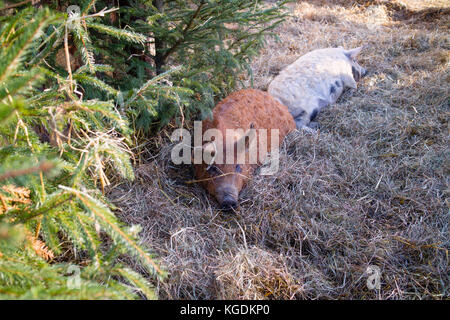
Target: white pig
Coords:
[[314, 81]]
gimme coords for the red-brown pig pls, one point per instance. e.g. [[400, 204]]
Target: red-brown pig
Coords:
[[251, 111]]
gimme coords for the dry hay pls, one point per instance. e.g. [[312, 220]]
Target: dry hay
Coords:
[[371, 188]]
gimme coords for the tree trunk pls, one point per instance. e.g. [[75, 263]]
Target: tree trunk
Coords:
[[159, 44]]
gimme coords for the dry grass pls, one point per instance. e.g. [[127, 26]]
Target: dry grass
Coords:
[[371, 188]]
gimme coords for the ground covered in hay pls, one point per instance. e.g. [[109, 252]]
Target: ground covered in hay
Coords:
[[369, 189]]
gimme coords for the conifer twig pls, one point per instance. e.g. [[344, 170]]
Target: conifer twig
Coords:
[[184, 33], [66, 51], [44, 166], [14, 5]]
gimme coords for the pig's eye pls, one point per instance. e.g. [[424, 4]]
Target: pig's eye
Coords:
[[213, 170], [238, 169]]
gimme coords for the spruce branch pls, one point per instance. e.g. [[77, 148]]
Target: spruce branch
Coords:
[[184, 32], [101, 213], [42, 167], [15, 5], [11, 57]]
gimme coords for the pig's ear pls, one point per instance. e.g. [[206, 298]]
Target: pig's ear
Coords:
[[353, 53]]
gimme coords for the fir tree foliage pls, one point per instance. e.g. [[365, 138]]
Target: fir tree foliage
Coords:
[[213, 40], [56, 154]]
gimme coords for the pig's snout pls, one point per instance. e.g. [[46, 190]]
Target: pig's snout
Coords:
[[229, 203], [227, 197]]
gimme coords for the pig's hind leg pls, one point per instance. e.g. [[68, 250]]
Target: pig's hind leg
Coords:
[[303, 123]]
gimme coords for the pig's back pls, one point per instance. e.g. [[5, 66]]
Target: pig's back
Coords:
[[300, 85], [251, 106]]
